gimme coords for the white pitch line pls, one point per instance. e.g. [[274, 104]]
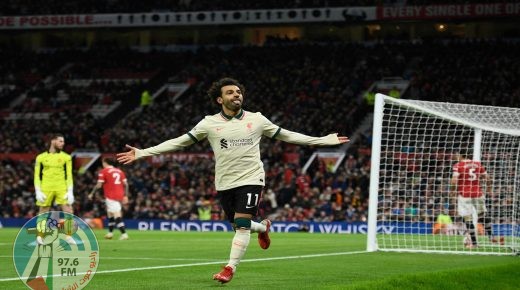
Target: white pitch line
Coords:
[[209, 263], [143, 258]]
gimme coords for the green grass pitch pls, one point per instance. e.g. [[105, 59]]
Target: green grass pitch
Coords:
[[187, 260]]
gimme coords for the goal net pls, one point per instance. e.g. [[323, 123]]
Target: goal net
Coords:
[[412, 206]]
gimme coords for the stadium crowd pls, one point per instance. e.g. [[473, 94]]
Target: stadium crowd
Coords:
[[182, 190], [313, 88]]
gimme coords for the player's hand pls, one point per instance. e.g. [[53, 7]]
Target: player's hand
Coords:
[[90, 196], [342, 139], [125, 199], [128, 156], [70, 195], [40, 196]]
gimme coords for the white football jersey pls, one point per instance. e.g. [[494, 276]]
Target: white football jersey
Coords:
[[236, 144]]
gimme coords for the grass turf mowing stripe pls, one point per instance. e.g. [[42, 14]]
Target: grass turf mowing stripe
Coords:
[[210, 263]]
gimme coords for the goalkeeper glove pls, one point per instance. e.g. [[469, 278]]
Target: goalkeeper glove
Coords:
[[70, 196], [40, 196]]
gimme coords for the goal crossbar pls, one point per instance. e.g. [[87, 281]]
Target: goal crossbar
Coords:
[[475, 110]]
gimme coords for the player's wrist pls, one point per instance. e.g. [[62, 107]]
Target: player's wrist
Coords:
[[138, 153]]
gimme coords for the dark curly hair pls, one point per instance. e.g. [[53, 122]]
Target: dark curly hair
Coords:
[[215, 90]]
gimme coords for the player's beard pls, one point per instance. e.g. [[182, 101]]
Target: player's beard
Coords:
[[232, 105], [57, 148]]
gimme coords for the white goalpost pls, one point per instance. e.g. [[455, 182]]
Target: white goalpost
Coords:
[[411, 205]]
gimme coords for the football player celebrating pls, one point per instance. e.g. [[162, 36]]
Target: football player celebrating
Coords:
[[234, 135]]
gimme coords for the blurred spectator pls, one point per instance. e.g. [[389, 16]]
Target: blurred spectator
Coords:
[[443, 224], [146, 100]]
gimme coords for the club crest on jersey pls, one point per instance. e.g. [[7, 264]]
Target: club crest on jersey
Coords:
[[249, 126]]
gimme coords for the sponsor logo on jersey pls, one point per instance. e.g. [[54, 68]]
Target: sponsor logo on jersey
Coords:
[[224, 144]]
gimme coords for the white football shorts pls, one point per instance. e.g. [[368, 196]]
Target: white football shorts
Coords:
[[113, 205], [466, 205]]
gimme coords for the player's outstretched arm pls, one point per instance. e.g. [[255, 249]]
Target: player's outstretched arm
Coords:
[[301, 139], [128, 156], [166, 146]]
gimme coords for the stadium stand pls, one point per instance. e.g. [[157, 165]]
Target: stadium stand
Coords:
[[283, 88], [92, 96]]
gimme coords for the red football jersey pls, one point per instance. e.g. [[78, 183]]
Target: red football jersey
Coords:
[[112, 179], [468, 174]]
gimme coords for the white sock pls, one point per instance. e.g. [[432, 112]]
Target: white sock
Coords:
[[238, 247], [257, 227]]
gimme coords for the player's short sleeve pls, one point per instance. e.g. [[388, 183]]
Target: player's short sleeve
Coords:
[[101, 176], [200, 131], [269, 129]]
